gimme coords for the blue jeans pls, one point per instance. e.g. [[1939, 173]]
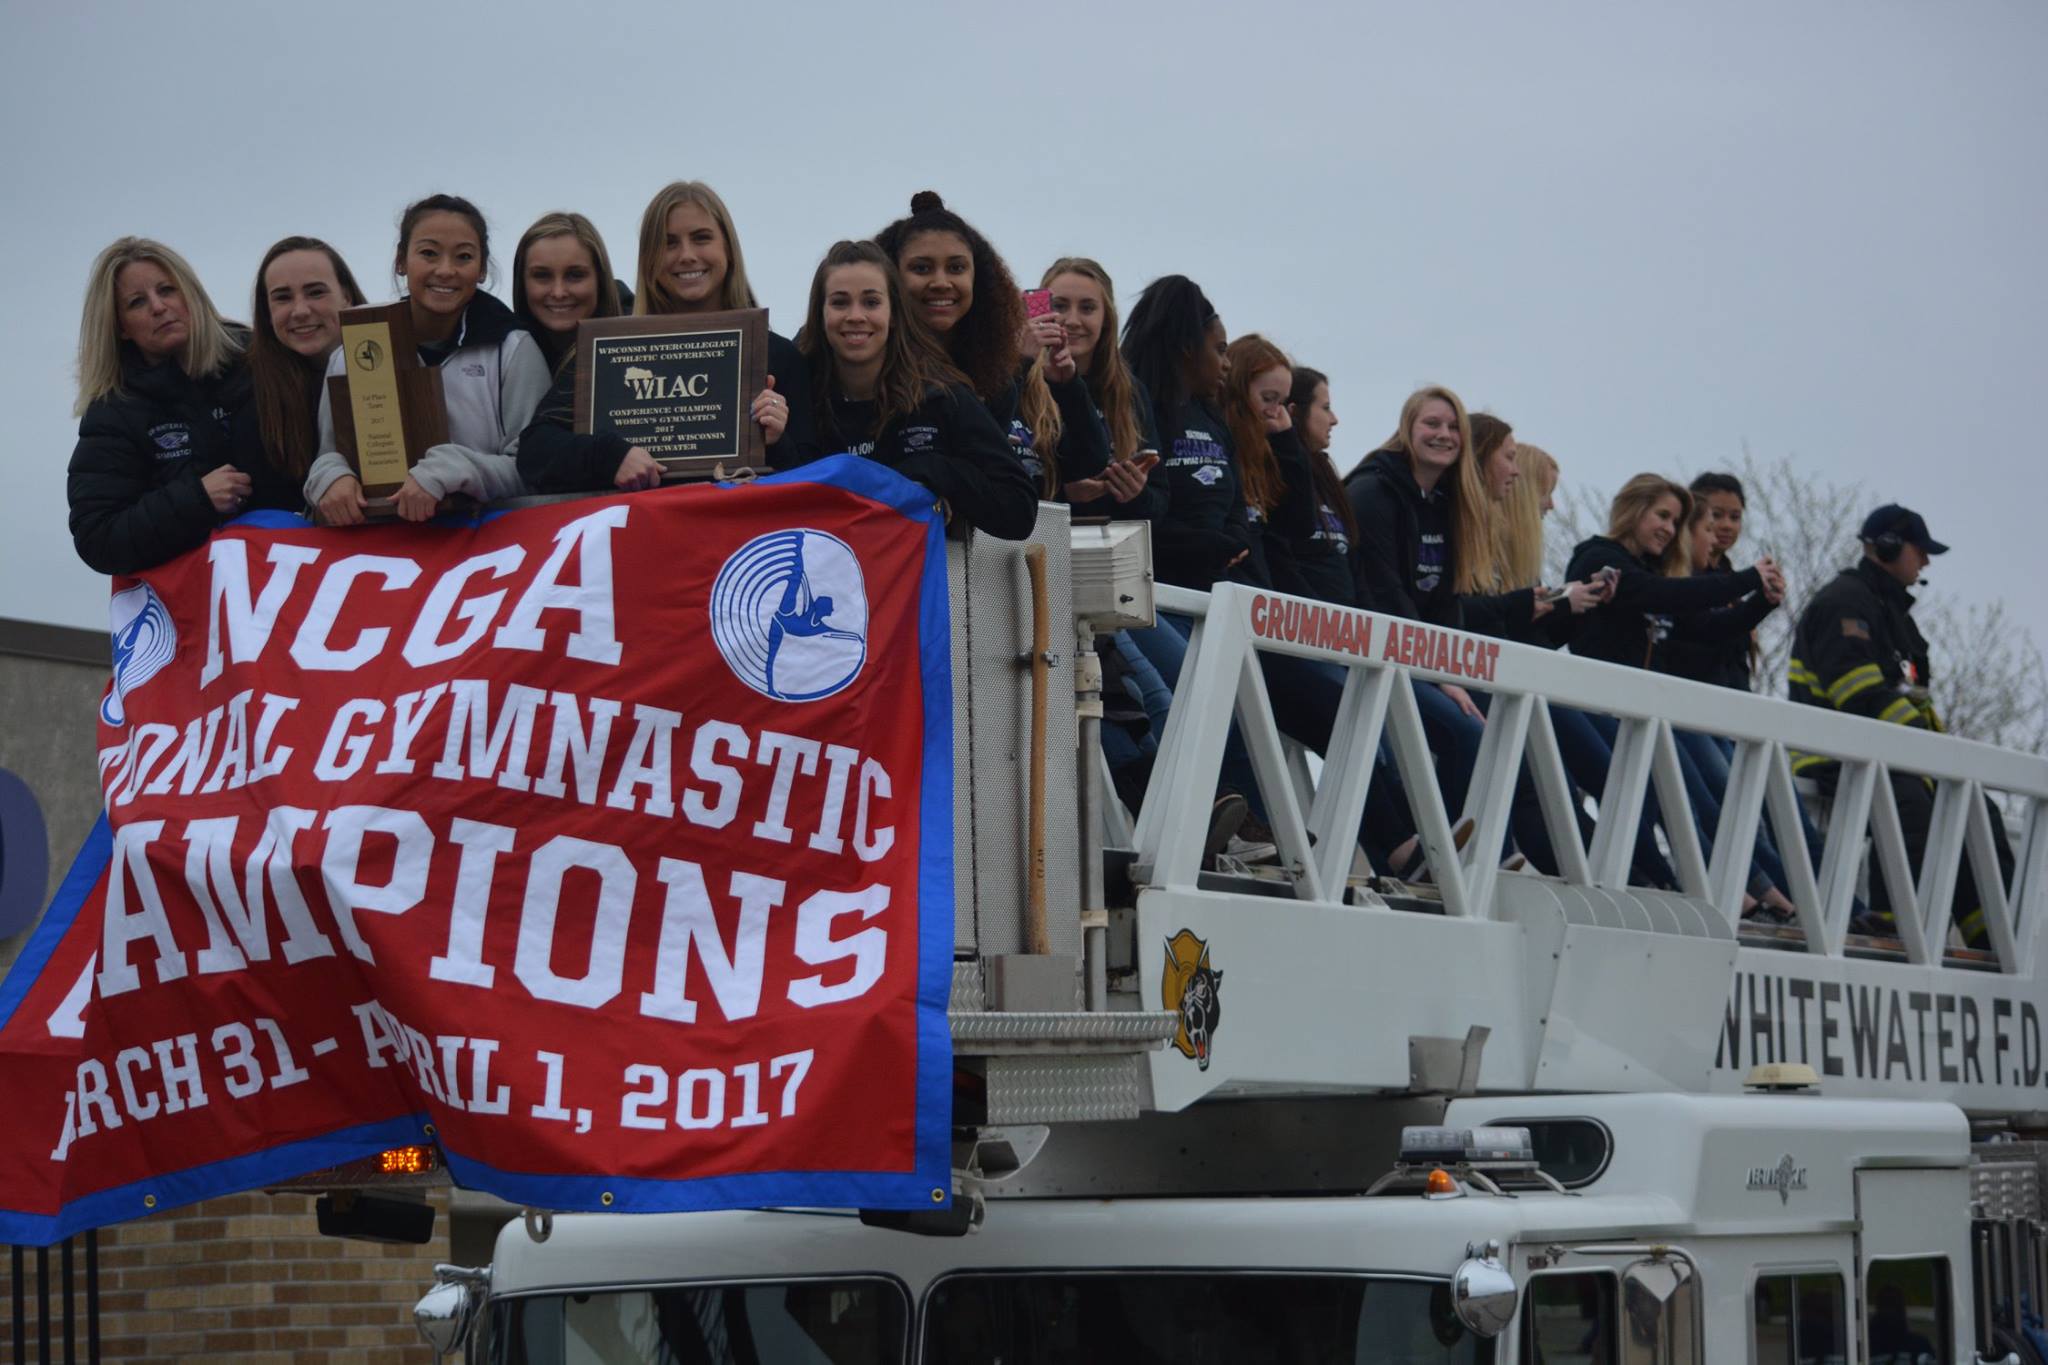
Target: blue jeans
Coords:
[[1142, 685], [1587, 757], [1305, 694]]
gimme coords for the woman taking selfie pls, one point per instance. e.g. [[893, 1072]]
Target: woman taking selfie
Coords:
[[302, 286], [492, 373], [690, 263], [160, 378], [1019, 366], [882, 388], [1653, 592]]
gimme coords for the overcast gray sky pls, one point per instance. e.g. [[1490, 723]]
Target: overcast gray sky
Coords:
[[1642, 233]]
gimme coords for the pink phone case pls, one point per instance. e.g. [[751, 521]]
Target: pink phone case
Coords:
[[1037, 302]]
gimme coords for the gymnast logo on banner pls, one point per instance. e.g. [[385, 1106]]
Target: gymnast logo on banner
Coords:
[[144, 641], [789, 614]]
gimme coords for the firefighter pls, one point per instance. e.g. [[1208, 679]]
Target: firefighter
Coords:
[[1857, 650]]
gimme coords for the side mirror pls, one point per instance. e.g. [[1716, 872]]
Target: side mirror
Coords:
[[446, 1313], [1483, 1293]]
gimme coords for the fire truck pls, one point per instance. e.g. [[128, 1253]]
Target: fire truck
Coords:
[[1290, 1109]]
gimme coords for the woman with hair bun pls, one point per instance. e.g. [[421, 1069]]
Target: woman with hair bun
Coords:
[[492, 373], [562, 274], [882, 388], [160, 379], [302, 286], [1019, 367], [690, 262]]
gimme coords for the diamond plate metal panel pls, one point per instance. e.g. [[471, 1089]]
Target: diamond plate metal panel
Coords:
[[967, 995], [1063, 1089], [1125, 1030], [2007, 1179]]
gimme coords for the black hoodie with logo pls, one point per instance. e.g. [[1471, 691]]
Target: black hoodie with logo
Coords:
[[1632, 626], [134, 482], [1404, 540], [953, 447], [1200, 525], [1307, 548], [1084, 439]]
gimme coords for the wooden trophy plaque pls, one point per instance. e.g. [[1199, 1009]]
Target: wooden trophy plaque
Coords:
[[387, 407]]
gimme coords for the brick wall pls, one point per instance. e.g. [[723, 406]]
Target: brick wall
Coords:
[[242, 1280]]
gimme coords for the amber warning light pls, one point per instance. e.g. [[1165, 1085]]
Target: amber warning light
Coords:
[[407, 1161]]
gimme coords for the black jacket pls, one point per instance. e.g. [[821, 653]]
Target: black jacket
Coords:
[[1151, 500], [556, 458], [1405, 564], [952, 446], [1201, 525], [1632, 625], [1857, 650], [1084, 440], [1512, 616], [134, 488], [1713, 646], [1308, 550]]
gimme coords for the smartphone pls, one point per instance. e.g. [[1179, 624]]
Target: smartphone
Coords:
[[1037, 302]]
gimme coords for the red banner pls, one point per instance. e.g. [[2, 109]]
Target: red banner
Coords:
[[606, 844]]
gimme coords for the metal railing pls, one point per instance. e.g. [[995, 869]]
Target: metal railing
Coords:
[[1315, 822]]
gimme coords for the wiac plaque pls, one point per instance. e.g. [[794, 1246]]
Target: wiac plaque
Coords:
[[679, 386]]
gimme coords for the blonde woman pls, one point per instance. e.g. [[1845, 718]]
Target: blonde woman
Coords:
[[562, 274], [160, 380], [690, 262], [1500, 590]]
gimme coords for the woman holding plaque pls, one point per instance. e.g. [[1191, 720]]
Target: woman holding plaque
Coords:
[[561, 274], [690, 262], [160, 378], [881, 387], [302, 285], [492, 374], [1017, 363]]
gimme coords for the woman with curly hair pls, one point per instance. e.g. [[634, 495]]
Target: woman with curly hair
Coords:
[[882, 388], [1019, 367]]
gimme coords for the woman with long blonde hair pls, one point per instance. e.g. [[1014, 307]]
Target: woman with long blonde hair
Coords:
[[1416, 512], [690, 262], [1084, 302], [160, 381], [1424, 527]]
